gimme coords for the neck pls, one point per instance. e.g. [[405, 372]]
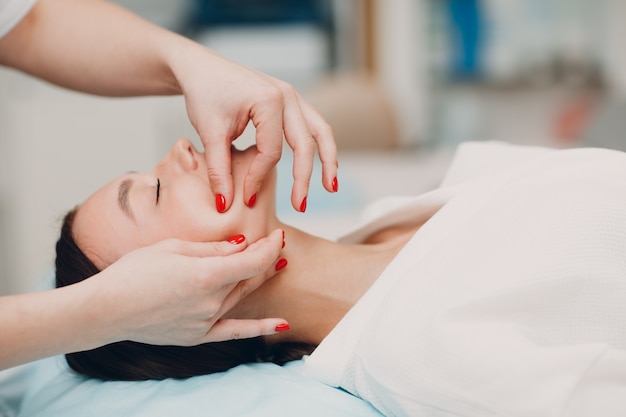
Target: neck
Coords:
[[322, 281]]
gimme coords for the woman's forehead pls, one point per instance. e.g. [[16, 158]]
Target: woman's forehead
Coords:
[[100, 227]]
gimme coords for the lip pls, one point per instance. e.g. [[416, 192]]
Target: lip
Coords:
[[241, 160], [236, 155]]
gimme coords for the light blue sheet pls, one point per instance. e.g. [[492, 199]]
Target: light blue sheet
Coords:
[[256, 390], [259, 390]]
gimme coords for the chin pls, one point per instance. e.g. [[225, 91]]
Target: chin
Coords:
[[254, 222]]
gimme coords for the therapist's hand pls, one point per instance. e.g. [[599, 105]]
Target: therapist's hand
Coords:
[[174, 292], [101, 48], [222, 97]]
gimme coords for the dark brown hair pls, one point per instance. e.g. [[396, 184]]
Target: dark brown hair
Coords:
[[131, 361]]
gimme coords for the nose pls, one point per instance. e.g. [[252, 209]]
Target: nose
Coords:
[[184, 155]]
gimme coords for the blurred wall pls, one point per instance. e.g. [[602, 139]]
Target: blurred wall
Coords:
[[56, 147], [614, 51], [400, 56]]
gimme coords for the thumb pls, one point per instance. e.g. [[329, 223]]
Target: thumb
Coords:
[[205, 249], [233, 329]]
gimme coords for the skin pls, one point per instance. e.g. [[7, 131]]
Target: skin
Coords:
[[173, 292], [323, 281]]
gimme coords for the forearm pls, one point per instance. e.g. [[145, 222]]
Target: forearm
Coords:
[[42, 324], [94, 46]]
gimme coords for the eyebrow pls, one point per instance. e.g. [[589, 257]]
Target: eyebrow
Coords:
[[122, 198]]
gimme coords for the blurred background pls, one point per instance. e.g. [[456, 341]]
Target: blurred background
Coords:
[[402, 82]]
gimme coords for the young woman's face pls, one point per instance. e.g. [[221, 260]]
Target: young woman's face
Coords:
[[174, 200]]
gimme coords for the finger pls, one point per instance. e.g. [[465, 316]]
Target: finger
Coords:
[[233, 329], [205, 249], [253, 261], [327, 148], [218, 158], [268, 121], [301, 141]]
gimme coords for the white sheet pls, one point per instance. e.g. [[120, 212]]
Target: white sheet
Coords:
[[509, 301], [12, 12]]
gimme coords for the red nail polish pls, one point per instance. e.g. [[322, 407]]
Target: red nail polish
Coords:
[[236, 240], [252, 201], [220, 203], [282, 262], [303, 205], [282, 327], [335, 184]]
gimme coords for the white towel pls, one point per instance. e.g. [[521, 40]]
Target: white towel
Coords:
[[509, 301]]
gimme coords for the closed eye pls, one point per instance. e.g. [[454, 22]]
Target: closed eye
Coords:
[[158, 190]]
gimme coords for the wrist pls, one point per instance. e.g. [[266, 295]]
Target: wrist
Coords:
[[178, 53], [191, 64], [103, 318]]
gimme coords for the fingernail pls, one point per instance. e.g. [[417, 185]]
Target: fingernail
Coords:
[[282, 262], [335, 184], [282, 327], [236, 240], [252, 200], [303, 205], [220, 203]]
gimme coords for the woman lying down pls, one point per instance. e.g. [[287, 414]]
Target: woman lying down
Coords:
[[494, 295]]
